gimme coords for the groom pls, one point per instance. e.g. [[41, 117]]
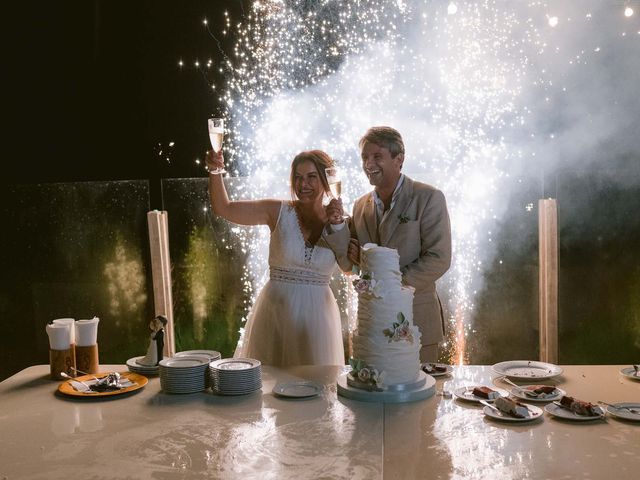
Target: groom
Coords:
[[406, 215]]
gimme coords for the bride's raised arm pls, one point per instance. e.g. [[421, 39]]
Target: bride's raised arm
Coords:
[[242, 212]]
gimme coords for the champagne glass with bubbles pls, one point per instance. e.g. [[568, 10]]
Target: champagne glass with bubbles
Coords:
[[334, 179], [216, 135]]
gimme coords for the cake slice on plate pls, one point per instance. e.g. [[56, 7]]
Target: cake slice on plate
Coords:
[[485, 392], [511, 407], [580, 407]]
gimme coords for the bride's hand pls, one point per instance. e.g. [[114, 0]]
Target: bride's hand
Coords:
[[213, 160], [335, 212]]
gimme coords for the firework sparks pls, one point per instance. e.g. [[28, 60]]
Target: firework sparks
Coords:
[[449, 76]]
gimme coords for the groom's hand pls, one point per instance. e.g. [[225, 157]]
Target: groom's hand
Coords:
[[334, 210], [353, 252]]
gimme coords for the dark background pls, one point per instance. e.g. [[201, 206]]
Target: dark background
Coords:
[[93, 89]]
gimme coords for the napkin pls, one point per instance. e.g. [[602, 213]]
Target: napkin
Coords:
[[70, 323], [59, 336], [87, 332]]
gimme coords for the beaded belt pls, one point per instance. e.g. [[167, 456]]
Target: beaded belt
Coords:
[[291, 275]]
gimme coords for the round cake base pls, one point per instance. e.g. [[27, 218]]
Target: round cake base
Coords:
[[425, 390]]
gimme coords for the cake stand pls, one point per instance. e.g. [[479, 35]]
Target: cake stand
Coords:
[[423, 388]]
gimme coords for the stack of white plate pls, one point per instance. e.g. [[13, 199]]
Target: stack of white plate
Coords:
[[211, 354], [184, 374], [146, 370], [235, 376]]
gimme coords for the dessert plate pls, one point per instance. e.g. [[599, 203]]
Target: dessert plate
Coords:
[[466, 393], [448, 370], [212, 354], [235, 364], [557, 395], [527, 369], [300, 389], [185, 362], [566, 414], [534, 412], [138, 381], [620, 412], [630, 372], [135, 367]]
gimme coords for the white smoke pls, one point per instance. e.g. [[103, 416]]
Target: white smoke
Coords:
[[483, 93]]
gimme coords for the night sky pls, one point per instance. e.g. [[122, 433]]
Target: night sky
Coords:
[[94, 86]]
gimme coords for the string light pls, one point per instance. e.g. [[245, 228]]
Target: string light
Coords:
[[628, 11]]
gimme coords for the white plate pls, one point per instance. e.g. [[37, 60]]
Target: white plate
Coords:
[[212, 354], [184, 362], [534, 412], [143, 369], [559, 393], [567, 414], [629, 372], [626, 414], [527, 369], [440, 374], [300, 389], [465, 393], [235, 364]]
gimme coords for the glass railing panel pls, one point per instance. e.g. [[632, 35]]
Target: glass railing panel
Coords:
[[74, 250], [599, 284]]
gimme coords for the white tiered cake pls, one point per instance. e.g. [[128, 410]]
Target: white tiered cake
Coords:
[[386, 344]]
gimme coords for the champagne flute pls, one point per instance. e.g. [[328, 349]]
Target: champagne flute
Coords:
[[334, 179], [216, 135]]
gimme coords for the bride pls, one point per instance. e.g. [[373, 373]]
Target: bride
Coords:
[[295, 320]]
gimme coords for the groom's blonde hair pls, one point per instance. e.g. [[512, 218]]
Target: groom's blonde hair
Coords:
[[320, 159], [385, 137]]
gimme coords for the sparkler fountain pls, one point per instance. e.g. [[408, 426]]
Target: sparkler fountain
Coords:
[[450, 77]]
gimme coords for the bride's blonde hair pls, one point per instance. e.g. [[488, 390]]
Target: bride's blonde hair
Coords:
[[320, 159]]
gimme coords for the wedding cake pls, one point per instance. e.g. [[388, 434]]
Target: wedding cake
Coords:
[[386, 343]]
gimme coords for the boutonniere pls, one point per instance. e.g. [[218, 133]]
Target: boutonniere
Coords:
[[403, 218]]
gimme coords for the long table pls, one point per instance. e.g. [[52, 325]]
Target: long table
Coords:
[[153, 435]]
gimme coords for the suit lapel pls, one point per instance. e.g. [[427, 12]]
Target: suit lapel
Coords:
[[391, 221]]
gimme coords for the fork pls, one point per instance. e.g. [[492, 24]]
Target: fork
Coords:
[[492, 407], [632, 410], [526, 392]]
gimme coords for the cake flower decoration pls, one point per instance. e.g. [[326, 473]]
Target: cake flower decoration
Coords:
[[401, 330], [367, 284], [370, 377]]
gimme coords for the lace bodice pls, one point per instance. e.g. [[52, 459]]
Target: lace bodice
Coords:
[[290, 259]]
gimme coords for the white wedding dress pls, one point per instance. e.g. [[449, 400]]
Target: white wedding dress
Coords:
[[295, 320]]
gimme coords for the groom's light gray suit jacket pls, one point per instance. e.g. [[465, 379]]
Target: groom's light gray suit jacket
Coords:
[[418, 227]]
